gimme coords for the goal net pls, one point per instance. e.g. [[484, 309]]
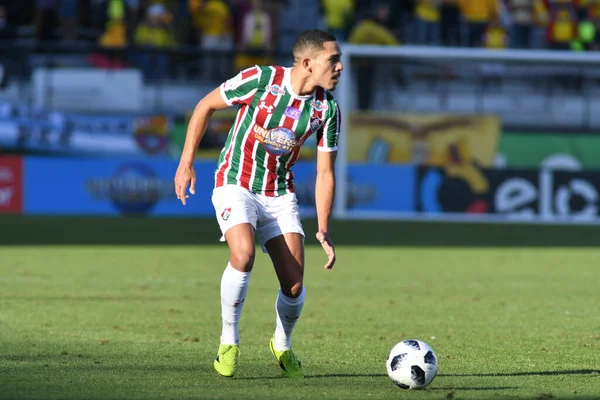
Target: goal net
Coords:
[[421, 131]]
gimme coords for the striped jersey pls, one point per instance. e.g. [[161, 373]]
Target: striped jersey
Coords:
[[272, 123]]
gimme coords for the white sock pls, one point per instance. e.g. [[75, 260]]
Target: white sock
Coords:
[[288, 311], [234, 286]]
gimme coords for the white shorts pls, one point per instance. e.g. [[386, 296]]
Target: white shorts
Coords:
[[270, 216]]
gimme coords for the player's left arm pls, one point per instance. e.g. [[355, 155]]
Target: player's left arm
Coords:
[[327, 142]]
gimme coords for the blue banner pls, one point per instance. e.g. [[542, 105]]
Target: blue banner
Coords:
[[371, 187], [142, 186], [112, 187]]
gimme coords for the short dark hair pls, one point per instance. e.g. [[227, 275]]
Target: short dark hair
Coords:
[[312, 39]]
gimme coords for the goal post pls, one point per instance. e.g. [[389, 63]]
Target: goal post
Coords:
[[478, 83]]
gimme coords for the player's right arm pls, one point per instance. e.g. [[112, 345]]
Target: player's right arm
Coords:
[[237, 90]]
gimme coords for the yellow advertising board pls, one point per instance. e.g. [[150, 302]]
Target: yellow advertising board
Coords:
[[423, 139]]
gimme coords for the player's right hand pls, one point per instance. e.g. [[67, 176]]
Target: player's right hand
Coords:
[[184, 177]]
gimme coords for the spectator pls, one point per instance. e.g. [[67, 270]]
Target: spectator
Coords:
[[338, 17], [115, 31], [156, 32], [477, 14], [540, 20], [256, 36], [522, 16], [213, 22], [450, 24], [371, 30], [562, 24], [113, 38], [495, 36], [427, 17], [587, 34]]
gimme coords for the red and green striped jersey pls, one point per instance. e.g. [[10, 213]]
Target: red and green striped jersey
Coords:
[[272, 123]]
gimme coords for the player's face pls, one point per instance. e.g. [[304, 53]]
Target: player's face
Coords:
[[327, 66]]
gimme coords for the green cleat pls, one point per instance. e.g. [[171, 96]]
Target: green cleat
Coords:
[[289, 363], [227, 359]]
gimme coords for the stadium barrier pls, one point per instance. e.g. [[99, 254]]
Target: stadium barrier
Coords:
[[143, 186]]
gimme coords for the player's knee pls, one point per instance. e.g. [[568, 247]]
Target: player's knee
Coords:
[[293, 290], [242, 259]]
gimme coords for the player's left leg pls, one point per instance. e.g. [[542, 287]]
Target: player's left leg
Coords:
[[287, 254], [280, 232]]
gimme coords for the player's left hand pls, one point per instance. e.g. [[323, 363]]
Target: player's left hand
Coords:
[[327, 244], [184, 177]]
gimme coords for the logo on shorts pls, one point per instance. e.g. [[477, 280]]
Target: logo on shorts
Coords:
[[293, 113], [226, 213]]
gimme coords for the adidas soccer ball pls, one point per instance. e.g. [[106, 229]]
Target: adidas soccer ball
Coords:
[[412, 364]]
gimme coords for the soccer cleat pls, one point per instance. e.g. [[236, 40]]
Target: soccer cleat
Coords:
[[289, 363], [227, 359]]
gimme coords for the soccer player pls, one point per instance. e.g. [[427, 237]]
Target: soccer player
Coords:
[[278, 109]]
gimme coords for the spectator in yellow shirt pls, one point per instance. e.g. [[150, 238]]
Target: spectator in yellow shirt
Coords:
[[427, 17], [478, 14], [213, 21], [155, 31], [338, 16], [371, 30]]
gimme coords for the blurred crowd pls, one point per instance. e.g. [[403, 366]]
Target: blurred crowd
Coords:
[[493, 24], [248, 30]]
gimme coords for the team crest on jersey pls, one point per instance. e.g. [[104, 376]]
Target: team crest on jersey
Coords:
[[263, 106], [278, 141], [315, 124], [319, 105], [226, 213], [275, 90]]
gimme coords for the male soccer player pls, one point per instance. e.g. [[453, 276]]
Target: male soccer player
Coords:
[[278, 109]]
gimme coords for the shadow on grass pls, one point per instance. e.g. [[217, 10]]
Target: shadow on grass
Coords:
[[483, 389], [56, 230], [535, 373]]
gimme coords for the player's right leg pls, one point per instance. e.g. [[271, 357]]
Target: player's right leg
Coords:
[[236, 214]]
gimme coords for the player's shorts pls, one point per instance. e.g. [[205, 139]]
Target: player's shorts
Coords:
[[270, 216]]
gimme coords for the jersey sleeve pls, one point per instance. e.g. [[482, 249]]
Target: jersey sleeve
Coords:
[[329, 133], [241, 88]]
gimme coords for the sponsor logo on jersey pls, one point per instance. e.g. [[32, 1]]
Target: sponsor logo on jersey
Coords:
[[278, 141], [275, 90], [293, 113], [319, 105], [263, 106]]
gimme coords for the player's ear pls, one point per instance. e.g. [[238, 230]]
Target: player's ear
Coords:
[[307, 64]]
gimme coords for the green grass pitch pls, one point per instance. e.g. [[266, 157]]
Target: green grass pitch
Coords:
[[128, 308]]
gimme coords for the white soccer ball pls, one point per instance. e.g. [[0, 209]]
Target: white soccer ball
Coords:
[[412, 364]]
